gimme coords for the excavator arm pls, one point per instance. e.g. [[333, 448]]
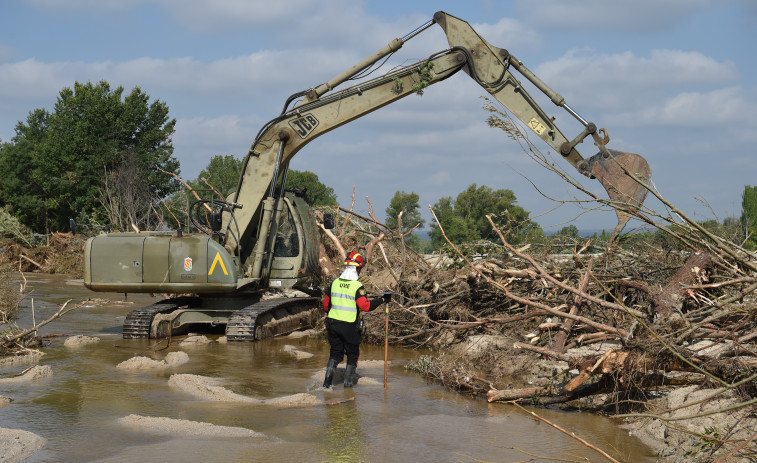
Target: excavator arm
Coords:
[[251, 222], [490, 67]]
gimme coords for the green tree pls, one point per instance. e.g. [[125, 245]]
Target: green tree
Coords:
[[407, 202], [455, 226], [93, 155], [316, 193], [749, 215], [570, 231], [464, 219], [18, 187], [222, 173]]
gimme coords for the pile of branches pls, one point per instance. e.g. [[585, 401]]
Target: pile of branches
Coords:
[[664, 317], [687, 311], [13, 341], [59, 253]]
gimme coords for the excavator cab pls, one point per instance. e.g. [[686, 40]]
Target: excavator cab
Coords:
[[291, 246]]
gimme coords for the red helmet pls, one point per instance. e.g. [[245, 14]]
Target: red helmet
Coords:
[[355, 259]]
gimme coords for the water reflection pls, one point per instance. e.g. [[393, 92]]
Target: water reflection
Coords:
[[344, 436]]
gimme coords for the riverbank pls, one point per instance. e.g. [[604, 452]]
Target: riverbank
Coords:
[[17, 445]]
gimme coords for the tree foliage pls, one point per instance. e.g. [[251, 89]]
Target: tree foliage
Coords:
[[464, 218], [222, 174], [316, 193], [407, 202], [749, 215], [95, 152], [570, 231]]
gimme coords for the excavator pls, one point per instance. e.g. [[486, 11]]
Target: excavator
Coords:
[[262, 237]]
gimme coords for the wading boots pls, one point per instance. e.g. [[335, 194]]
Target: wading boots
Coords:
[[330, 369], [349, 375]]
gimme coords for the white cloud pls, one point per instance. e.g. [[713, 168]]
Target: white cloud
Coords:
[[237, 76], [662, 68], [610, 15], [31, 79], [726, 108], [617, 82], [232, 78], [198, 139], [85, 5], [510, 34], [221, 15]]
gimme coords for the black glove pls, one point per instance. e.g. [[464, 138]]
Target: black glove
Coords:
[[386, 297]]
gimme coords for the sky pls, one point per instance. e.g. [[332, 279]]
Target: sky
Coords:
[[672, 80]]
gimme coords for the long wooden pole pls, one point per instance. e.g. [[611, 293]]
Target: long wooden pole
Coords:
[[386, 341]]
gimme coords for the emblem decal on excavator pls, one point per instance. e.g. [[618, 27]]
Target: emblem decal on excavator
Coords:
[[304, 124], [188, 264], [218, 260], [537, 126]]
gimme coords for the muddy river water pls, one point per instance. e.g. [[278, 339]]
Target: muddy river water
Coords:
[[78, 408]]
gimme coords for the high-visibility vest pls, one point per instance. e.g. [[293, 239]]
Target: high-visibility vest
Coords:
[[343, 305]]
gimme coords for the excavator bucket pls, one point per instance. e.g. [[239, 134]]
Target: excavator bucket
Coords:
[[613, 171]]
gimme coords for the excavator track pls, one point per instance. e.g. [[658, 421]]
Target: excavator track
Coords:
[[139, 321], [273, 317]]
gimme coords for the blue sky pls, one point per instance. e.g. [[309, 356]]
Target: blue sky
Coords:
[[672, 80]]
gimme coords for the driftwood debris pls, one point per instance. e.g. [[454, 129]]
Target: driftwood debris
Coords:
[[553, 304], [624, 323]]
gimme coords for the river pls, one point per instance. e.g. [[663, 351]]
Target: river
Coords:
[[78, 408]]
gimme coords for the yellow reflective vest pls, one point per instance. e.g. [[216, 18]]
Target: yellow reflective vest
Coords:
[[343, 300]]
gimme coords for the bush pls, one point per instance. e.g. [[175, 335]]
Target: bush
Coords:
[[10, 227], [10, 296]]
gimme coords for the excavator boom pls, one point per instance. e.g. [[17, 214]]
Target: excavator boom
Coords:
[[322, 109]]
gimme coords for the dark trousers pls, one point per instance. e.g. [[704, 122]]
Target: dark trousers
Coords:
[[344, 339]]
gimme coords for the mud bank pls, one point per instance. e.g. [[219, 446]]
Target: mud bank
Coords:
[[17, 445], [80, 340], [176, 427], [173, 359], [676, 446], [33, 374], [206, 388], [296, 353], [691, 407], [31, 356]]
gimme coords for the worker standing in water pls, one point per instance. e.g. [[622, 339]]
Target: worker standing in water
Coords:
[[343, 300]]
